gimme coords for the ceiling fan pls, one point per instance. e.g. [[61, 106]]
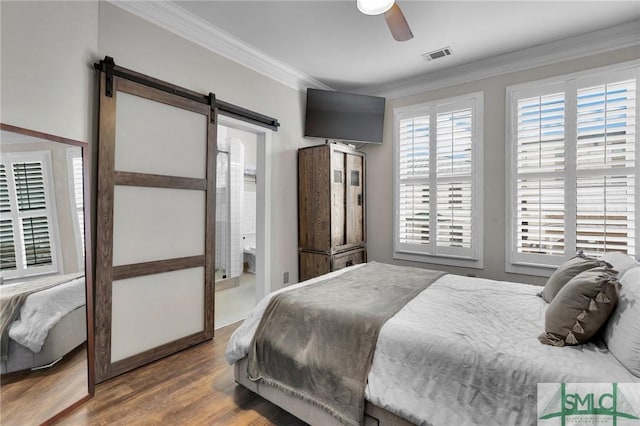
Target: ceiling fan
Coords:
[[392, 14]]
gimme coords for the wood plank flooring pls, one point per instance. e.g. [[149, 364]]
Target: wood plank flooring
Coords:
[[31, 397], [192, 387]]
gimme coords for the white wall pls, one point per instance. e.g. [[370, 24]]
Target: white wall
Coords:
[[48, 84], [236, 198], [380, 165], [141, 46], [249, 140], [47, 79]]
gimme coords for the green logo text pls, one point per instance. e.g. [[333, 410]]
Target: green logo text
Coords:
[[613, 404]]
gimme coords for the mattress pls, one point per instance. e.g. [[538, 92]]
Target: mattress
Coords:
[[42, 310], [465, 351], [69, 333], [49, 324]]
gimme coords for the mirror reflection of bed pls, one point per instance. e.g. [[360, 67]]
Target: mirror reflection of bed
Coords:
[[43, 316]]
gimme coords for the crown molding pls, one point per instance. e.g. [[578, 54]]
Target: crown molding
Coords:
[[185, 24], [601, 41]]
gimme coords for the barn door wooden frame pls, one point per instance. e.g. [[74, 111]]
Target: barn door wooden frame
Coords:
[[114, 80]]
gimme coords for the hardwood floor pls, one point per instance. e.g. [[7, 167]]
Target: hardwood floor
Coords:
[[31, 397], [192, 387]]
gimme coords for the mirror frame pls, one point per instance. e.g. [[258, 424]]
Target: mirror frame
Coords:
[[89, 273]]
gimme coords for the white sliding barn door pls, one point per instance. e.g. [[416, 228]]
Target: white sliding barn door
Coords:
[[155, 249]]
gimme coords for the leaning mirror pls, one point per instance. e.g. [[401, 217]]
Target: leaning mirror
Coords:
[[45, 278]]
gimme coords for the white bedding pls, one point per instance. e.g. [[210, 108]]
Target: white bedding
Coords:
[[41, 311], [465, 351]]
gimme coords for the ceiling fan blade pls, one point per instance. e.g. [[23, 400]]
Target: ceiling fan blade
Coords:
[[398, 24]]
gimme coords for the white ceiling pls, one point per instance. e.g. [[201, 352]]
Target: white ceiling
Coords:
[[335, 44]]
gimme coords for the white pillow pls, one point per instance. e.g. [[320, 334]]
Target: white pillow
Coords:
[[622, 332], [621, 262]]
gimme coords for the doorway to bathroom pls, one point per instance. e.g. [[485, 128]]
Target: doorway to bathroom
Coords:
[[240, 272]]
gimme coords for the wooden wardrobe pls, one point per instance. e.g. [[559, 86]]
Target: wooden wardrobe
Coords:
[[331, 209]]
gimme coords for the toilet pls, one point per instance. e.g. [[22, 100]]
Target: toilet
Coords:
[[249, 250]]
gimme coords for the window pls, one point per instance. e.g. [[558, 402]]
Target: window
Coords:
[[438, 182], [76, 191], [572, 171], [27, 243]]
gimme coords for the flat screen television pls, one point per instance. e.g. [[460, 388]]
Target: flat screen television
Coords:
[[344, 116]]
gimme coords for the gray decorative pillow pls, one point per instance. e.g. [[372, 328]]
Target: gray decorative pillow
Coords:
[[566, 272], [622, 332], [580, 308]]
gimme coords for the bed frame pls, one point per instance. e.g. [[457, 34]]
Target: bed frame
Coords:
[[69, 333], [309, 413]]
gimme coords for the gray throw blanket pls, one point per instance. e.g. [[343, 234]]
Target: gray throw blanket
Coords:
[[317, 342], [13, 296]]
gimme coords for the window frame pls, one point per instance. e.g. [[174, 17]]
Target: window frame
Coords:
[[569, 85], [76, 191], [432, 253], [22, 271]]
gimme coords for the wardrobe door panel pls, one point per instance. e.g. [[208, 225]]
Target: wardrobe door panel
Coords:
[[156, 138], [338, 178], [156, 224], [314, 198], [354, 199], [152, 310]]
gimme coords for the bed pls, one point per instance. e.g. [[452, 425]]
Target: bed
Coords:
[[42, 322], [462, 351]]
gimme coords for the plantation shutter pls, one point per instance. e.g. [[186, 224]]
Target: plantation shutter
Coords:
[[453, 176], [574, 172], [7, 243], [26, 234], [605, 211], [540, 197], [37, 244], [78, 197], [30, 196], [5, 206], [29, 183], [437, 179], [413, 196]]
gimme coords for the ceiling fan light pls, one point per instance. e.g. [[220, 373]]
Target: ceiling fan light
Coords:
[[374, 7]]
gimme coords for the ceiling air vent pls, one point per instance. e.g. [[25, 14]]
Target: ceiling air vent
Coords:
[[437, 54]]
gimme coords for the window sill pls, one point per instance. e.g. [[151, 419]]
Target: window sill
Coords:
[[12, 277], [533, 269], [464, 262]]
